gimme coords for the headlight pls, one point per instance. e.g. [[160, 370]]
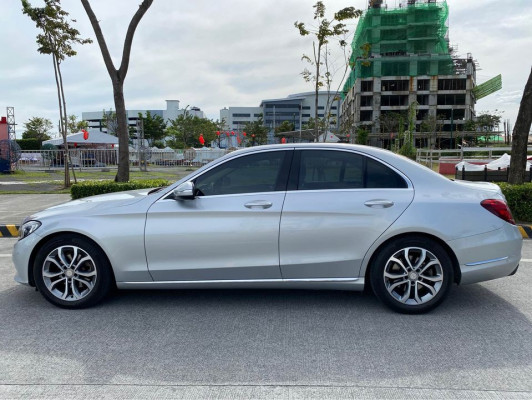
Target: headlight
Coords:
[[28, 228]]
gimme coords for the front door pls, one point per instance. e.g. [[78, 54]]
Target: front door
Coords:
[[230, 231]]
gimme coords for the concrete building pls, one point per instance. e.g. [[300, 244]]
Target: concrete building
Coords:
[[96, 118], [408, 60], [236, 118], [297, 109]]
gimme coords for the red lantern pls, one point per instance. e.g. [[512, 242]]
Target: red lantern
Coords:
[[348, 135], [244, 133], [217, 133], [201, 140], [112, 146], [233, 133], [85, 134], [283, 140], [253, 135], [227, 133], [75, 145]]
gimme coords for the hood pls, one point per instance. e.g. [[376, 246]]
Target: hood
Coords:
[[93, 204]]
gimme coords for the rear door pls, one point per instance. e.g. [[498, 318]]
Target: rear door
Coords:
[[337, 204]]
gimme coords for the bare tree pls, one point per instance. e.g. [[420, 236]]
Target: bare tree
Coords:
[[323, 33], [520, 136], [117, 77]]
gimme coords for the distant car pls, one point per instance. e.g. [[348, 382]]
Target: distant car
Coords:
[[308, 216]]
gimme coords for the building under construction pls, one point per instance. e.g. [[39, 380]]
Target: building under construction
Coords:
[[401, 58]]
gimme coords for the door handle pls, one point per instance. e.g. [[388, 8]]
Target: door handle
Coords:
[[379, 203], [259, 204]]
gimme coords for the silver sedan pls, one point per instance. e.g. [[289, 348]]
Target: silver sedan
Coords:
[[309, 216]]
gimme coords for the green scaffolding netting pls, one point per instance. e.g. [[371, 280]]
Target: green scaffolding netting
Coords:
[[408, 41], [488, 87]]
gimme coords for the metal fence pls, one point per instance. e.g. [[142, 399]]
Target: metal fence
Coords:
[[87, 159]]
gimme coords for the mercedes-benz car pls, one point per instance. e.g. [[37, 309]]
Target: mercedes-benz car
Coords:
[[302, 216]]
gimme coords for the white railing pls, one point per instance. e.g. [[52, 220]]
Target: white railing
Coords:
[[430, 157], [87, 159]]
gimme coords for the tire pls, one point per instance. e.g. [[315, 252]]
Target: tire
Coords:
[[72, 272], [412, 275]]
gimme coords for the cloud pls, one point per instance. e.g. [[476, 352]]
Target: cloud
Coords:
[[214, 54]]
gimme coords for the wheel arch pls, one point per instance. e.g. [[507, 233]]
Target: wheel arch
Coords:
[[450, 252], [70, 234]]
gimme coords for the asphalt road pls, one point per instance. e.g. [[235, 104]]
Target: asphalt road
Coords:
[[267, 344]]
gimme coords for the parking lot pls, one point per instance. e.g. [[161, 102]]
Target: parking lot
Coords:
[[267, 344]]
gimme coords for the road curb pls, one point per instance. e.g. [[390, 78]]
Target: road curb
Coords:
[[526, 231], [9, 231]]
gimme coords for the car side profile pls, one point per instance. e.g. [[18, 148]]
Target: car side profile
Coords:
[[308, 216]]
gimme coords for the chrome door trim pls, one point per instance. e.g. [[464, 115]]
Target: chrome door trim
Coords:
[[229, 281], [486, 262]]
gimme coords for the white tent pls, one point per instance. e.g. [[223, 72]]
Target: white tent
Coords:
[[95, 137], [503, 162], [330, 138]]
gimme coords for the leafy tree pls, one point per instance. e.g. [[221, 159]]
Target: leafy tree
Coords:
[[520, 136], [74, 125], [110, 121], [431, 124], [408, 149], [37, 128], [325, 31], [118, 77], [257, 133], [57, 39], [285, 126], [186, 130], [362, 135], [154, 127], [311, 124], [389, 122], [487, 122]]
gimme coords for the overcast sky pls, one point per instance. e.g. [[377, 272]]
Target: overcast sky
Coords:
[[214, 54]]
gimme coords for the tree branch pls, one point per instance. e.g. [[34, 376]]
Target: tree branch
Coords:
[[101, 40], [129, 36]]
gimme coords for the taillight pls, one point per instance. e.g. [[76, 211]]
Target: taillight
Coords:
[[499, 208]]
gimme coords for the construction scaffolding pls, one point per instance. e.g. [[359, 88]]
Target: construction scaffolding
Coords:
[[406, 41]]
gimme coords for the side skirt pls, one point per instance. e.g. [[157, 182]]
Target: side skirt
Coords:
[[354, 284]]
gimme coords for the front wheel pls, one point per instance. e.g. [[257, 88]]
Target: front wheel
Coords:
[[72, 272], [412, 274]]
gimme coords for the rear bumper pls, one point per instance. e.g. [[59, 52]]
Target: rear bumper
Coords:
[[488, 256]]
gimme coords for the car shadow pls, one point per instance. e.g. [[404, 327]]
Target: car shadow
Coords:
[[266, 337]]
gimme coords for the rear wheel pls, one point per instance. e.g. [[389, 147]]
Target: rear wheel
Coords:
[[72, 272], [412, 274]]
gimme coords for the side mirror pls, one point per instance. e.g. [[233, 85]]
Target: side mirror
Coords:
[[185, 191]]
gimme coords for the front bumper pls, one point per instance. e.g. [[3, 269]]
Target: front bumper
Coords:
[[21, 257], [489, 255]]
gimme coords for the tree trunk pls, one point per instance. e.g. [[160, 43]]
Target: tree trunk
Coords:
[[117, 77], [65, 116], [66, 181], [317, 57], [122, 174], [520, 136]]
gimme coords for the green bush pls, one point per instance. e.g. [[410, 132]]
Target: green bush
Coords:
[[92, 188], [519, 198], [29, 144]]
